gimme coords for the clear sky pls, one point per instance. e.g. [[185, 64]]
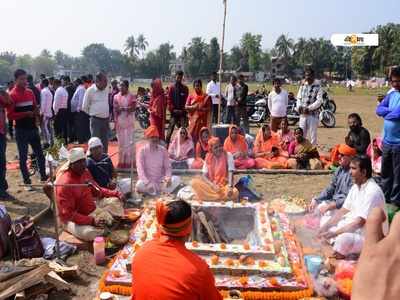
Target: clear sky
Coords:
[[28, 26]]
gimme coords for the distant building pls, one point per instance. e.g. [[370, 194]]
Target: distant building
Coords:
[[72, 73], [278, 66]]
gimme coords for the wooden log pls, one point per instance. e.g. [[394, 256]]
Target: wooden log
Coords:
[[203, 221], [64, 271], [15, 271], [26, 281], [57, 281], [20, 296], [215, 232]]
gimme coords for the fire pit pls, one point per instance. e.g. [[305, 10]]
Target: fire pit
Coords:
[[248, 247]]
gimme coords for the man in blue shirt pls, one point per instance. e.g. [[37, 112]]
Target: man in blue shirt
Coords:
[[389, 109]]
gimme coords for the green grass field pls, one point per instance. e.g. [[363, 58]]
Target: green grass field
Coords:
[[334, 90]]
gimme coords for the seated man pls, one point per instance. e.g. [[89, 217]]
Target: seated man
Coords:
[[268, 151], [303, 154], [357, 138], [99, 164], [333, 196], [154, 167], [217, 179], [77, 204], [345, 230], [164, 269], [236, 144]]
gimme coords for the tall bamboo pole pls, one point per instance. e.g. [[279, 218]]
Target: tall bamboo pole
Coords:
[[221, 60]]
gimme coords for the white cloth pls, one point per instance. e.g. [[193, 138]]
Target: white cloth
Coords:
[[309, 124], [277, 103], [60, 99], [95, 102], [46, 103], [77, 98], [391, 90], [213, 90], [348, 243], [231, 164], [143, 188], [361, 200], [230, 95]]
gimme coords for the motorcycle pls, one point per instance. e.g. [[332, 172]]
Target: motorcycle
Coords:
[[259, 112], [326, 117], [328, 103], [142, 113]]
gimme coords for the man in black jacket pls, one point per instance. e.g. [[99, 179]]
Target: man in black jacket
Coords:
[[358, 136], [241, 112], [70, 115]]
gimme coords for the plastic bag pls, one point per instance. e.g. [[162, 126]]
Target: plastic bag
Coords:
[[63, 153]]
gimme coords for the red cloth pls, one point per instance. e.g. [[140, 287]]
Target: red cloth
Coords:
[[76, 203], [23, 101], [157, 107], [164, 269], [2, 115]]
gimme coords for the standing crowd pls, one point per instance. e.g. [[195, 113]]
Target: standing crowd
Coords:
[[366, 171]]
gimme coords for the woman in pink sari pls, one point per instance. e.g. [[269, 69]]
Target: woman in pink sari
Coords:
[[286, 136], [124, 104], [374, 151], [181, 150], [157, 107]]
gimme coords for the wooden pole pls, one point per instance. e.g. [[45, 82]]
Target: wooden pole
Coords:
[[221, 61]]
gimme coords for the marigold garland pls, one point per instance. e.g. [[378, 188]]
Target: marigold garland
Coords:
[[247, 295]]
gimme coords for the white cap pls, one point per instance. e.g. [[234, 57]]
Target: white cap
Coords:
[[94, 142], [76, 154]]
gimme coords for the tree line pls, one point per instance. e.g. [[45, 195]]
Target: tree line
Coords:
[[201, 57]]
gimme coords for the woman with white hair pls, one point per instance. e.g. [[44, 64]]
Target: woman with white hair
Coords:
[[99, 164]]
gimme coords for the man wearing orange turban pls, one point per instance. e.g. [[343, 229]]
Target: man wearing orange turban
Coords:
[[154, 166], [332, 198], [164, 269]]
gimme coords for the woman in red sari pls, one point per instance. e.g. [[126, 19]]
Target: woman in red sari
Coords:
[[201, 148], [157, 107], [198, 105]]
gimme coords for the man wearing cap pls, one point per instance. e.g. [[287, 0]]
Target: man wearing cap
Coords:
[[154, 166], [77, 206], [333, 196], [164, 269], [99, 164]]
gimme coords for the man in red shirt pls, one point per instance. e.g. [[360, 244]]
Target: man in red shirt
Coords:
[[164, 269], [5, 101], [24, 111], [77, 205]]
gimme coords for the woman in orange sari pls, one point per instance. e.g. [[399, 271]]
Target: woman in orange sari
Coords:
[[198, 106], [237, 146], [216, 184], [157, 107], [268, 151], [201, 148]]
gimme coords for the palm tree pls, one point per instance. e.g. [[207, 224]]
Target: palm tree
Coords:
[[284, 46], [141, 43], [131, 46]]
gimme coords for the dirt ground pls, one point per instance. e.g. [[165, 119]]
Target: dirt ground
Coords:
[[272, 186]]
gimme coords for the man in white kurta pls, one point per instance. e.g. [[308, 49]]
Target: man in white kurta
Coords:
[[345, 230]]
